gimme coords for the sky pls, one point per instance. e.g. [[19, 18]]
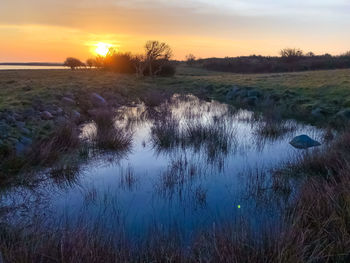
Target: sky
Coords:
[[51, 30]]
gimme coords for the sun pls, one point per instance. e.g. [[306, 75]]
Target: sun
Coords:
[[102, 48]]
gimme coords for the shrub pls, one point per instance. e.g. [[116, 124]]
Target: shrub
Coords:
[[291, 61], [73, 63], [190, 59], [167, 70], [47, 150], [119, 62], [90, 62]]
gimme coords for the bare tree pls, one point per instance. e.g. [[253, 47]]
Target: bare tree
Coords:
[[310, 54], [139, 64], [291, 54], [190, 59], [157, 51]]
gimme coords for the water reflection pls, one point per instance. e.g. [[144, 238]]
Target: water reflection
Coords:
[[189, 163]]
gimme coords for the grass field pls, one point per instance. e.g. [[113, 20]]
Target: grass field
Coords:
[[302, 92]]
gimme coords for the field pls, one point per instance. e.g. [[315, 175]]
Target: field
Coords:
[[43, 117], [299, 93]]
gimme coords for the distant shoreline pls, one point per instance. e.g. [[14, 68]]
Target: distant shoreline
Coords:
[[30, 64]]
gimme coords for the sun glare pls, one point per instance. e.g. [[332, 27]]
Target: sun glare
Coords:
[[102, 48]]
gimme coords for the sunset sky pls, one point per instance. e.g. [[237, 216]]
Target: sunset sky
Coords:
[[51, 30]]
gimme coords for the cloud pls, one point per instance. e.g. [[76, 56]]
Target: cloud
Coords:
[[214, 26]]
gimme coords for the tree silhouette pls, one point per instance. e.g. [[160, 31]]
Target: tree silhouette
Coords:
[[156, 51], [90, 62], [291, 54], [190, 59], [73, 63]]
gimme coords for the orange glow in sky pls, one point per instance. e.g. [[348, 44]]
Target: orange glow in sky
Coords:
[[50, 31]]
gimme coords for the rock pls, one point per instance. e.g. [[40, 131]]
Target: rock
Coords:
[[59, 111], [28, 113], [12, 140], [97, 100], [76, 116], [318, 113], [10, 119], [231, 94], [251, 101], [303, 142], [92, 112], [18, 117], [274, 97], [24, 130], [46, 115], [69, 95], [344, 114], [22, 145], [242, 93], [25, 140], [60, 120], [254, 93], [20, 124], [210, 87], [4, 129], [68, 101]]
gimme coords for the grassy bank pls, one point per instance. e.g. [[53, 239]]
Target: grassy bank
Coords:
[[34, 102], [297, 92]]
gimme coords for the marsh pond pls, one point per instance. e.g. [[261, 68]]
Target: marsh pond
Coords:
[[188, 165]]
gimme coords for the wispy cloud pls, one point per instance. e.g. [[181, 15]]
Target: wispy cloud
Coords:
[[215, 27]]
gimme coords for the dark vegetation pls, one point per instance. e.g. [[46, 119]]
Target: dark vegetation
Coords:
[[108, 136], [73, 63], [291, 60], [43, 151], [154, 62]]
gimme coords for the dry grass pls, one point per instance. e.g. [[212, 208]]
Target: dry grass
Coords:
[[166, 133], [321, 218], [155, 98], [108, 136], [326, 162], [48, 150]]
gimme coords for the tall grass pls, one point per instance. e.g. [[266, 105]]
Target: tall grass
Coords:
[[271, 125], [108, 136], [166, 134], [48, 150]]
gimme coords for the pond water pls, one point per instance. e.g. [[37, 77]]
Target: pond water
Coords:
[[191, 165]]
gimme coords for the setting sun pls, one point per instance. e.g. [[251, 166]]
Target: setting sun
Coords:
[[102, 48]]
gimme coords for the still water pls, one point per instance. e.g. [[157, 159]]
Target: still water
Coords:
[[23, 67], [192, 164]]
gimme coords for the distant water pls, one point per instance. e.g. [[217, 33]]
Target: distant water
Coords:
[[17, 67]]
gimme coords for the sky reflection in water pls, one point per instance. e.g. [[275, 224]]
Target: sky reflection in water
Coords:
[[191, 164]]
